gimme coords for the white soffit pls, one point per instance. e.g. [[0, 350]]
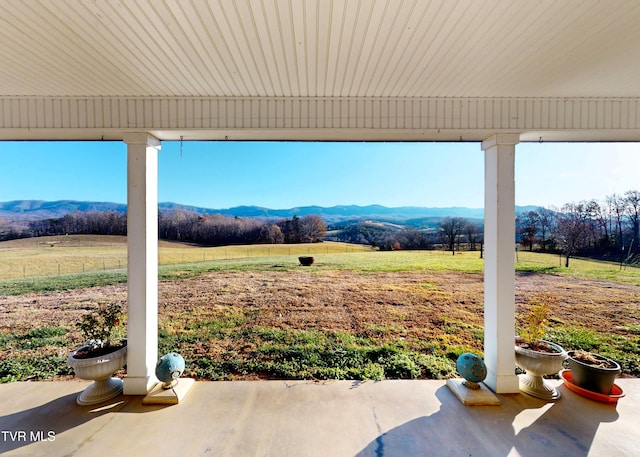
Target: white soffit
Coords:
[[133, 53]]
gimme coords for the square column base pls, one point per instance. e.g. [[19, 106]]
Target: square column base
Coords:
[[505, 384], [173, 396], [472, 397], [138, 385]]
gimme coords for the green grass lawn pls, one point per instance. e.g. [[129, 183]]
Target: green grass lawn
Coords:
[[70, 255], [291, 353], [41, 267]]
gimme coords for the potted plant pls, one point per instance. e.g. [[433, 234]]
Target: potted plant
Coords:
[[592, 372], [306, 261], [536, 356], [103, 354]]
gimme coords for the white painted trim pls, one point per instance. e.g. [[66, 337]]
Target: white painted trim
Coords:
[[142, 241], [499, 268], [314, 118]]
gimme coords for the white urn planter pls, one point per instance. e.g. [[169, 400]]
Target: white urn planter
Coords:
[[537, 364], [100, 370]]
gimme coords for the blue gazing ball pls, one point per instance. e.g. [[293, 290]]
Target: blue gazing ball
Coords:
[[471, 367], [169, 367]]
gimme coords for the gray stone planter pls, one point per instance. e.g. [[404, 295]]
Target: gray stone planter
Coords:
[[594, 377], [537, 364], [99, 369]]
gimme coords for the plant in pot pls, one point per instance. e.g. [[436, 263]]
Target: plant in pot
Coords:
[[592, 372], [536, 356], [306, 261], [103, 353]]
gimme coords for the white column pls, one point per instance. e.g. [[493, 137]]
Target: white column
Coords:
[[142, 240], [499, 268]]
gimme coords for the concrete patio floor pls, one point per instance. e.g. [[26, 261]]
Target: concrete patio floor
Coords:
[[304, 418]]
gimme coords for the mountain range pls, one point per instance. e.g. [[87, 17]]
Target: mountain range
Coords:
[[38, 209]]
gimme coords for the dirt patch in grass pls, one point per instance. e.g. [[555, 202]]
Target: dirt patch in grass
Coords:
[[330, 301], [229, 315], [598, 305]]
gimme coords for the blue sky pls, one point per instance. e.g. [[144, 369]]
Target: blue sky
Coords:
[[285, 175]]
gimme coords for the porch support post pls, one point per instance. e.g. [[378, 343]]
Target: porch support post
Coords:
[[499, 269], [142, 241]]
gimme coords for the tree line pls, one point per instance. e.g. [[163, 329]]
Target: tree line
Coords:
[[604, 229], [221, 230], [79, 222], [177, 225], [452, 233], [607, 229]]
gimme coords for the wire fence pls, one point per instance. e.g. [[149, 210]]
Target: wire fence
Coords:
[[543, 260], [48, 262], [34, 264]]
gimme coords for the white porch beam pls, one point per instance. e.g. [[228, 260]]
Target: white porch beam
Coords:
[[142, 240], [320, 118], [499, 270]]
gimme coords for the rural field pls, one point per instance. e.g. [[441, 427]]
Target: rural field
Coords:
[[252, 312]]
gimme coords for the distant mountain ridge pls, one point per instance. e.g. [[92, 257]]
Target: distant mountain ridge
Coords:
[[39, 209]]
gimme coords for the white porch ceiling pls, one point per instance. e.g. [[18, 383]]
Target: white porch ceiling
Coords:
[[320, 69]]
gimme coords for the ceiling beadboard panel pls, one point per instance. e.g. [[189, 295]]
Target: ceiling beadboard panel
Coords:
[[320, 48]]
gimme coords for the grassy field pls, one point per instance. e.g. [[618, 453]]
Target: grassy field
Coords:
[[55, 263], [254, 312], [70, 255]]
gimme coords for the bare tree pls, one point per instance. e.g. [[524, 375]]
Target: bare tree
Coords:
[[312, 228], [572, 227], [451, 228], [528, 224], [272, 234], [546, 219], [593, 209], [603, 219], [12, 230], [632, 205], [617, 207], [474, 234]]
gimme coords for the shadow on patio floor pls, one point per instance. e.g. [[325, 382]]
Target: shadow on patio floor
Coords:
[[456, 430], [307, 419], [47, 421]]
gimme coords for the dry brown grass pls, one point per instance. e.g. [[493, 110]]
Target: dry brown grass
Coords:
[[422, 310]]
